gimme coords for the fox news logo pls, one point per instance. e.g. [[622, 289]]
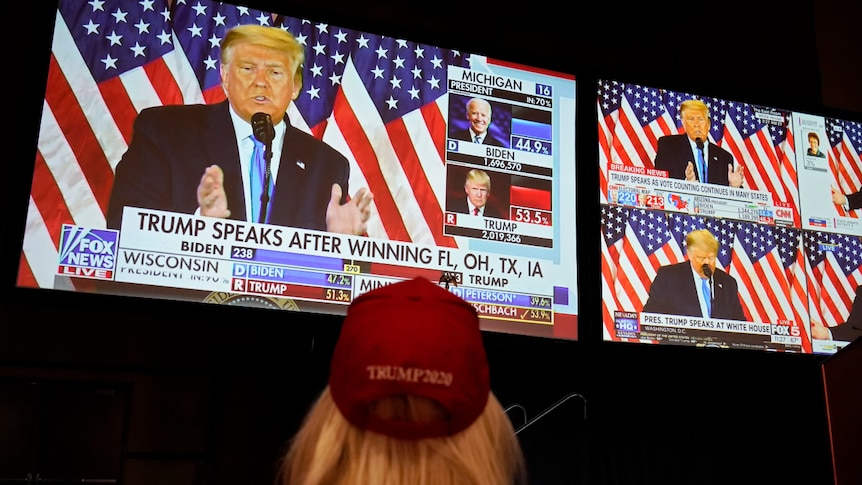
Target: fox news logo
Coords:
[[88, 253]]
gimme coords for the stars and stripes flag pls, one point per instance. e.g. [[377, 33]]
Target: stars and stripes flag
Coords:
[[834, 266], [380, 101], [766, 261], [631, 119], [635, 243], [769, 266], [845, 157], [761, 140]]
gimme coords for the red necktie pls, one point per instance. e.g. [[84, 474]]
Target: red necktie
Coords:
[[475, 211]]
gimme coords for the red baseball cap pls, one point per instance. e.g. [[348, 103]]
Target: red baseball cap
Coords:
[[410, 338]]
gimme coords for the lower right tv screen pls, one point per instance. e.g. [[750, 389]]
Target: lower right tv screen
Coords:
[[727, 224]]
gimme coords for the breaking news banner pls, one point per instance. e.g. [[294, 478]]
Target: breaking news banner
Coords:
[[784, 335], [249, 264], [519, 154], [649, 188], [632, 119]]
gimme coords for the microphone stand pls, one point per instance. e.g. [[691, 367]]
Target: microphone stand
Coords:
[[267, 176], [263, 131], [711, 296]]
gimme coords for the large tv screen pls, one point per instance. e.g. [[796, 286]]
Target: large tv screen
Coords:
[[727, 224], [123, 203]]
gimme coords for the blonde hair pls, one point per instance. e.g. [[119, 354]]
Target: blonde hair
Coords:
[[272, 37], [480, 177], [701, 239], [328, 450], [694, 105]]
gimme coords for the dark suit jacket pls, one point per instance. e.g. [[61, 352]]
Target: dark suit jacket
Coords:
[[172, 145], [818, 154], [467, 135], [854, 200], [459, 204], [674, 153], [674, 292], [845, 331]]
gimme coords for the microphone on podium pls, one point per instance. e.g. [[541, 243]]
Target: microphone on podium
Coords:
[[261, 127]]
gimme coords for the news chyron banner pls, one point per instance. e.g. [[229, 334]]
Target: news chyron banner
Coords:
[[779, 191], [760, 279], [742, 189], [262, 265], [752, 171], [403, 114], [515, 262]]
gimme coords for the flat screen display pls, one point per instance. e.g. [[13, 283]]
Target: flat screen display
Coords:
[[726, 224], [398, 112]]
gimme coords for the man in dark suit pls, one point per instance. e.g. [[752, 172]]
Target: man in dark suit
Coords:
[[848, 201], [696, 288], [477, 185], [198, 158], [681, 155], [845, 332], [479, 116]]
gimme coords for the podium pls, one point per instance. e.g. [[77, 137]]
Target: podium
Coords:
[[842, 387]]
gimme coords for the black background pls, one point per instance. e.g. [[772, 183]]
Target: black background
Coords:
[[217, 391]]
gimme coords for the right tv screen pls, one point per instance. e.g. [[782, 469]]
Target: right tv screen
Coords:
[[727, 224]]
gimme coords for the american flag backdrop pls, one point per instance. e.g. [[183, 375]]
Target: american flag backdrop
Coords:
[[834, 265], [766, 262], [380, 101], [764, 146], [845, 157], [631, 119], [635, 243]]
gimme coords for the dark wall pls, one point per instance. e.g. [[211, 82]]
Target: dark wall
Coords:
[[211, 394]]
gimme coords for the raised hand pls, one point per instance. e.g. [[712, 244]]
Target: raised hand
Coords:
[[212, 199], [350, 217]]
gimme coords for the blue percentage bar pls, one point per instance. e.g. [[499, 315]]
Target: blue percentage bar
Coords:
[[530, 145], [288, 275], [301, 260]]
